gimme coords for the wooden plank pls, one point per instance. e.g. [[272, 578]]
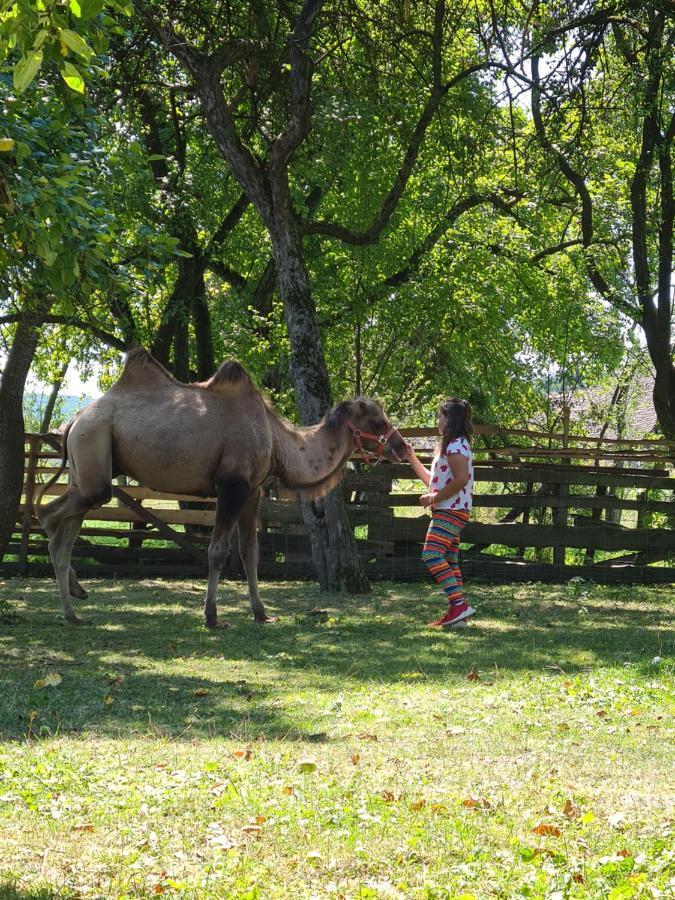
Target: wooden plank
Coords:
[[534, 501], [577, 475], [140, 493], [560, 512], [519, 535], [496, 569], [553, 474], [161, 526], [29, 490]]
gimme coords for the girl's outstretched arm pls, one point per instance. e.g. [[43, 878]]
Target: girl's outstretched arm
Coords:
[[422, 473]]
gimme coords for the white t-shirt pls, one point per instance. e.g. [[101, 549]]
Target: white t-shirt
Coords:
[[441, 474]]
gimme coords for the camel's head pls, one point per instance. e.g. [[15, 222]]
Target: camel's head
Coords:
[[374, 435]]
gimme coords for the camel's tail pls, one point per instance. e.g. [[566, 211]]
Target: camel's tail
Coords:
[[37, 499]]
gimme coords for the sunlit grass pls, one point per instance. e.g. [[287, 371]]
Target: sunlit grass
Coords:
[[353, 754]]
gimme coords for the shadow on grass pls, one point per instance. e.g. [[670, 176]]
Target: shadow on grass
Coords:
[[146, 664], [9, 891]]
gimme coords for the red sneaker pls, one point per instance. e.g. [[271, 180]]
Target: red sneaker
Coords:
[[453, 616]]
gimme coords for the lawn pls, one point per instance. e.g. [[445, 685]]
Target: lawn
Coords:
[[351, 754]]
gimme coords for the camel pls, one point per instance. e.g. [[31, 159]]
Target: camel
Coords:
[[218, 438]]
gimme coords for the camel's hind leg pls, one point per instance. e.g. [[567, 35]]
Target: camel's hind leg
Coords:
[[74, 586], [60, 549], [62, 519], [247, 525], [232, 496]]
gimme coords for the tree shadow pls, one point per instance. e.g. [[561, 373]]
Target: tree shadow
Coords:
[[146, 664], [10, 891]]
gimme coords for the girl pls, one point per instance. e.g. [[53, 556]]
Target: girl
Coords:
[[450, 483]]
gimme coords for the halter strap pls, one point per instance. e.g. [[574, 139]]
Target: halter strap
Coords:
[[370, 456]]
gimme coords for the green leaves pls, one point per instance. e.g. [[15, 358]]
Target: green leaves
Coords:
[[26, 69], [72, 77], [76, 43], [86, 9]]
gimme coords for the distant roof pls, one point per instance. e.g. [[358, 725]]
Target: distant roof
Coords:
[[632, 416]]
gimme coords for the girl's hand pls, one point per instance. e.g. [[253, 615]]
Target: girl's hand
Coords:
[[427, 500], [409, 451]]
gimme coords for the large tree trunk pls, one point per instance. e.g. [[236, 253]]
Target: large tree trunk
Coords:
[[12, 436], [338, 565]]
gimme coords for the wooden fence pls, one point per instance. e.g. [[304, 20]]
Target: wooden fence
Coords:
[[546, 507]]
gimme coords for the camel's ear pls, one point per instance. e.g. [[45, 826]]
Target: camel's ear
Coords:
[[338, 414], [363, 407]]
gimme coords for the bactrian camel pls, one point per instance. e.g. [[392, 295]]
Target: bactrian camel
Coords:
[[219, 438]]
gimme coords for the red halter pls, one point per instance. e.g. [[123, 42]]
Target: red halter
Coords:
[[368, 456]]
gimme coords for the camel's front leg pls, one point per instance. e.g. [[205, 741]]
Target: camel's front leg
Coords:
[[248, 551], [232, 496]]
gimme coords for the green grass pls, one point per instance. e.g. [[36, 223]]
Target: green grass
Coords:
[[344, 755]]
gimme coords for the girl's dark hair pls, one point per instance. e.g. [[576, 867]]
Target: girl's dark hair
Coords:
[[458, 420]]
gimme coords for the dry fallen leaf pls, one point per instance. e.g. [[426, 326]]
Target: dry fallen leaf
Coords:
[[288, 790], [624, 853], [578, 877], [260, 819], [547, 830], [200, 692], [366, 736], [254, 830], [601, 713], [418, 804], [86, 826], [243, 754], [387, 796], [570, 810], [473, 803], [51, 680], [355, 759]]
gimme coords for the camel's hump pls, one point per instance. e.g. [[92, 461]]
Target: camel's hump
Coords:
[[140, 366], [231, 377]]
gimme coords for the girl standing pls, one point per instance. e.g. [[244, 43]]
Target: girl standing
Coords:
[[450, 484]]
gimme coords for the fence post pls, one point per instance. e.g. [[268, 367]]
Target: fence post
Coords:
[[29, 491], [560, 514]]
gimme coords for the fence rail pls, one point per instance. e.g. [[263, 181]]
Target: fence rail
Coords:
[[560, 494]]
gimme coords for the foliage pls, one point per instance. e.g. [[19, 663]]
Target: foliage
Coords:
[[461, 292], [36, 35]]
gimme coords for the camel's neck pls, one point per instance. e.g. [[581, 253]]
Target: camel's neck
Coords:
[[310, 459]]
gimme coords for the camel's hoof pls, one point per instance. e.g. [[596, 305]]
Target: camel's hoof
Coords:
[[78, 592], [216, 625], [76, 620], [268, 620]]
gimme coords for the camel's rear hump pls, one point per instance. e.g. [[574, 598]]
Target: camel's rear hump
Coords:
[[230, 378]]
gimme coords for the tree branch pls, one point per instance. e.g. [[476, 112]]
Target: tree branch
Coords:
[[104, 336], [382, 218]]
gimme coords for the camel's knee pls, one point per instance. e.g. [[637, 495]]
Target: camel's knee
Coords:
[[218, 555]]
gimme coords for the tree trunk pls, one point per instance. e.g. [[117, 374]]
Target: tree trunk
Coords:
[[332, 540], [12, 425], [51, 402]]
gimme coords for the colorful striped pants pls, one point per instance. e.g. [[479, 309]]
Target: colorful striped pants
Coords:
[[441, 549]]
